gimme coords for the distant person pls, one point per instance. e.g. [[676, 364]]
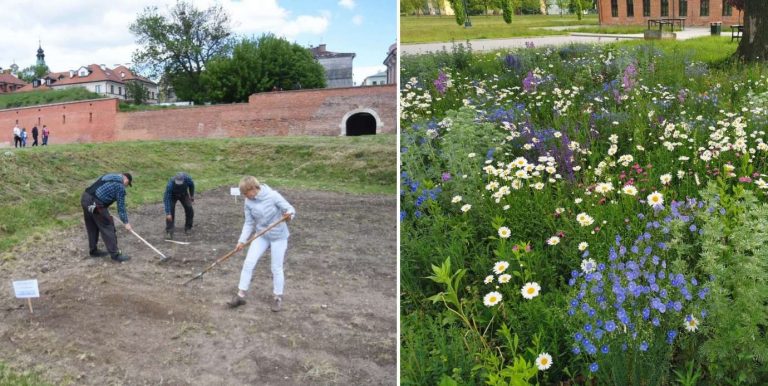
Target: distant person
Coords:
[[181, 188], [263, 206], [46, 133], [16, 136], [95, 201], [23, 137], [34, 136]]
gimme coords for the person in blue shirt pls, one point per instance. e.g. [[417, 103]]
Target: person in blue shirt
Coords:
[[180, 188], [95, 201]]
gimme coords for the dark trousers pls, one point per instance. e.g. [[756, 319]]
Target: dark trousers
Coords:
[[189, 213], [99, 221], [34, 137], [16, 141]]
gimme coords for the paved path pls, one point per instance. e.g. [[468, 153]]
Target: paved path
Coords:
[[538, 41]]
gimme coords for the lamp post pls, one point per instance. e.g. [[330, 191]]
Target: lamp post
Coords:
[[467, 22]]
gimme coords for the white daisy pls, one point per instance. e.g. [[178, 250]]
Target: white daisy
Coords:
[[530, 290], [466, 207], [492, 298], [488, 279], [456, 199], [505, 278], [665, 178], [691, 323], [554, 240], [630, 190], [504, 232], [583, 246], [584, 219], [655, 199], [500, 267], [588, 265], [544, 361]]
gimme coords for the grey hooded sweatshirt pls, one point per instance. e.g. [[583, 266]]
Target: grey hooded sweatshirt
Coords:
[[267, 207]]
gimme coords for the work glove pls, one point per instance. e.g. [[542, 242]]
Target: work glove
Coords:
[[91, 208]]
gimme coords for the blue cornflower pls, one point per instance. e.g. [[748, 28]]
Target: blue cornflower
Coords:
[[604, 349], [588, 327], [634, 249], [417, 214], [576, 350], [593, 367], [610, 326], [403, 214], [692, 228], [646, 313], [671, 336], [644, 346], [655, 322]]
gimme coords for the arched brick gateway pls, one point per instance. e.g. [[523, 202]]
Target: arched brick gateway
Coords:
[[360, 122]]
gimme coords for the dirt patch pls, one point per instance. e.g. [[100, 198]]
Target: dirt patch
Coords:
[[99, 322]]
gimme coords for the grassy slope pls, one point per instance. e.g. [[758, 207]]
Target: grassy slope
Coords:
[[41, 186], [424, 29]]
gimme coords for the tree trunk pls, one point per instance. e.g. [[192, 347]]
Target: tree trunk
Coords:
[[754, 42]]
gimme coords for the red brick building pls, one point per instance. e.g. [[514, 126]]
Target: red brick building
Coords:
[[695, 12]]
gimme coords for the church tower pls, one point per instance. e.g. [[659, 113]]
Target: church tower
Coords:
[[40, 55]]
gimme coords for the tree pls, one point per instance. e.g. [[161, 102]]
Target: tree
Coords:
[[261, 65], [754, 42], [33, 72], [562, 4], [179, 45], [458, 10], [506, 9], [136, 92]]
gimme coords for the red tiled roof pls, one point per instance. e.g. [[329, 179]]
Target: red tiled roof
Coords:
[[96, 75], [10, 79], [129, 75], [29, 87]]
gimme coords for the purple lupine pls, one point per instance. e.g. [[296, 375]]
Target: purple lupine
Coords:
[[512, 62], [628, 80], [441, 83], [529, 82]]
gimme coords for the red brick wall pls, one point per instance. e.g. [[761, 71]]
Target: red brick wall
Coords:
[[83, 121], [692, 19], [302, 112]]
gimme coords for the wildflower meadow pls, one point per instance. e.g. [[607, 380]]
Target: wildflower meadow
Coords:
[[583, 215]]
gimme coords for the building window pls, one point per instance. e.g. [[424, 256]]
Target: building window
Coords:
[[704, 8], [630, 8], [683, 8], [614, 8], [727, 10], [111, 88], [119, 91], [97, 89], [664, 8]]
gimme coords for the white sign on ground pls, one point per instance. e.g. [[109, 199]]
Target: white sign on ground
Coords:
[[234, 191], [26, 289]]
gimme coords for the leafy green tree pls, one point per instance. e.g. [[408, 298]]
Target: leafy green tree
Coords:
[[261, 65], [33, 72], [506, 8], [136, 92], [180, 44], [458, 10]]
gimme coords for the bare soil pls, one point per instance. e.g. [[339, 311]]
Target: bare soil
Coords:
[[103, 323]]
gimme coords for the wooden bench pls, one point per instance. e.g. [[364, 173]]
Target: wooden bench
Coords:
[[736, 31], [670, 21]]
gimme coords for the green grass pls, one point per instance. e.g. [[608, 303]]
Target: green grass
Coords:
[[41, 186], [611, 29], [714, 50], [10, 377], [41, 97], [426, 29]]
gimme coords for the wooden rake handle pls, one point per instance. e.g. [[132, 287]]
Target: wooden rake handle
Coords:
[[232, 252]]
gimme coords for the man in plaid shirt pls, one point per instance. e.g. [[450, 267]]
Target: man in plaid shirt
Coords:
[[181, 188], [95, 202]]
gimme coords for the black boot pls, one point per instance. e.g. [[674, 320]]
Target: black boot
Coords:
[[98, 253]]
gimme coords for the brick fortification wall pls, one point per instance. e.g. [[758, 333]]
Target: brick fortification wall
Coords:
[[301, 112], [71, 122]]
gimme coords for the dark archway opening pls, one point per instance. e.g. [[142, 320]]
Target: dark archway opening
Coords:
[[361, 124]]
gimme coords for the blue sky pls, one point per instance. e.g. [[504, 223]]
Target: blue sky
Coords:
[[88, 32]]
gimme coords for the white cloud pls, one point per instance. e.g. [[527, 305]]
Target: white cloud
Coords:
[[357, 20], [349, 4]]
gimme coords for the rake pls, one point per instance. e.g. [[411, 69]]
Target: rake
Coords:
[[232, 252]]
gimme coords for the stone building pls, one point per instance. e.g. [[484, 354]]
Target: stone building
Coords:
[[337, 65], [391, 63], [695, 12]]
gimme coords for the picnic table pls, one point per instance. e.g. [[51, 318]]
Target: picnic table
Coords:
[[670, 21], [736, 31]]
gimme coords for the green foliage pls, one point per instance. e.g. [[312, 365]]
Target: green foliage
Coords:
[[41, 97], [691, 375], [735, 253], [181, 44], [136, 92], [31, 177], [261, 65], [459, 12], [506, 9], [33, 72], [9, 377]]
